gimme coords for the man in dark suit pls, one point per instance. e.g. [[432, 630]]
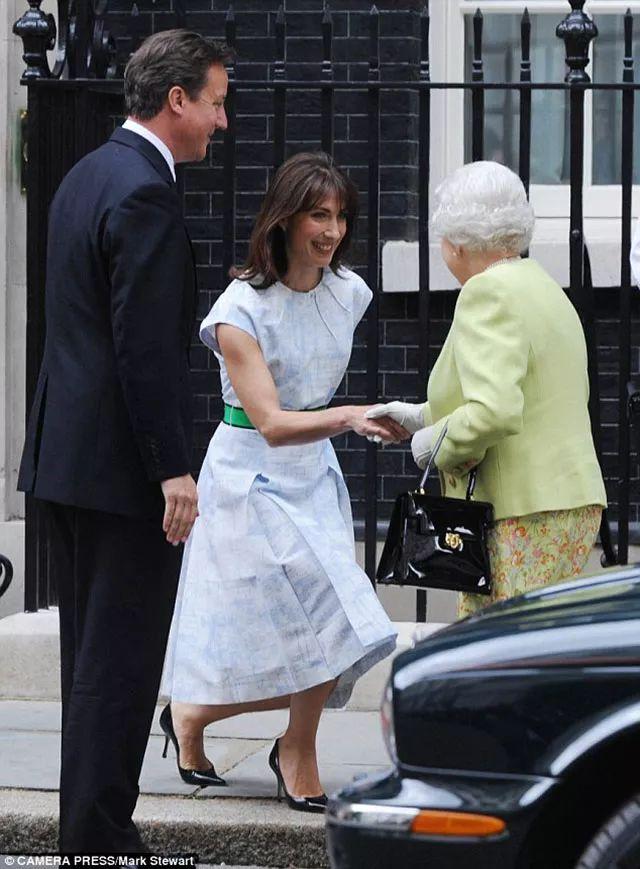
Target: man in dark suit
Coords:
[[108, 440]]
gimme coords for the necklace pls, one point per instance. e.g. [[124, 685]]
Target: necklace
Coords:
[[501, 262]]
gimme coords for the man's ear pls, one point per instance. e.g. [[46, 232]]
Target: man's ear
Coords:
[[176, 99]]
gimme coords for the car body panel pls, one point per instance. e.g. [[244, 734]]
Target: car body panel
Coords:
[[507, 690], [516, 799], [499, 714]]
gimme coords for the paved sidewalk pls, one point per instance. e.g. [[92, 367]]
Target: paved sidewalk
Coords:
[[241, 824]]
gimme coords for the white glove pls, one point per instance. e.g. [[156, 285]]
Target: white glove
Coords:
[[422, 446], [410, 416]]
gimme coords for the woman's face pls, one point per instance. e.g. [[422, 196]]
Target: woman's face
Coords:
[[313, 236]]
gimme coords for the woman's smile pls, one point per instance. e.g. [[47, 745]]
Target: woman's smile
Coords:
[[323, 247]]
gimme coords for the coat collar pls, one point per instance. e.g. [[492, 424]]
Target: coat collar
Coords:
[[144, 147]]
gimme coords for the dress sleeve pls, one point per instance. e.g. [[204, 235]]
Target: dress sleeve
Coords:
[[233, 307], [491, 351], [362, 296]]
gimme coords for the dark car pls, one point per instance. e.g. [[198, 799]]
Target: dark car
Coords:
[[515, 741]]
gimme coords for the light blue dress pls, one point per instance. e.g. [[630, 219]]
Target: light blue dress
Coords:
[[271, 600]]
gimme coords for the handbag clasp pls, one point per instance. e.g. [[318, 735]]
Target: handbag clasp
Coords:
[[453, 540]]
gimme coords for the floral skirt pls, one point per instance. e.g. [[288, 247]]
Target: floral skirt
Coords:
[[528, 552]]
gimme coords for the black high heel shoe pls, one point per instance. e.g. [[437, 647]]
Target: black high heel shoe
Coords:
[[202, 778], [300, 804]]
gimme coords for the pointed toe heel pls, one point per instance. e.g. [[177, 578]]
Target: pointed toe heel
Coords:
[[201, 778], [300, 804]]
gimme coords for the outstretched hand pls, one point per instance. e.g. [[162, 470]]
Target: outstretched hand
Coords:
[[181, 507], [384, 429], [410, 416]]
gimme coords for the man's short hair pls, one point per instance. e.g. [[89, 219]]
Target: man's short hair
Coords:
[[167, 59]]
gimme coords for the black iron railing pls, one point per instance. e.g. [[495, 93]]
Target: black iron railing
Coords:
[[6, 574], [85, 62]]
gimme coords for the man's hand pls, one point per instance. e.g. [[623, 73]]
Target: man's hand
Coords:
[[181, 508]]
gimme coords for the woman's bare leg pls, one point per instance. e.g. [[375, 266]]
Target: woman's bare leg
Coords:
[[190, 720], [297, 747]]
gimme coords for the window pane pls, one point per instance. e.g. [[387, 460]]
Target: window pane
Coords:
[[608, 53], [549, 109]]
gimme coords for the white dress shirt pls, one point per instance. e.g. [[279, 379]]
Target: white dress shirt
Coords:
[[135, 127]]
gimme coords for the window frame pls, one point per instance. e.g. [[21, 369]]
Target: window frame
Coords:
[[448, 64]]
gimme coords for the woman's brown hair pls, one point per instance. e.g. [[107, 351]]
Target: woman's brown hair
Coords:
[[302, 182]]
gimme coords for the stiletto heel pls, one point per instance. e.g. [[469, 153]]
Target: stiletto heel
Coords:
[[200, 777], [300, 804]]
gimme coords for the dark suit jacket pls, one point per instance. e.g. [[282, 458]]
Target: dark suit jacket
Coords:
[[112, 410]]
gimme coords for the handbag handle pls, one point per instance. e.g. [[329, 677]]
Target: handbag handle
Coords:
[[423, 480]]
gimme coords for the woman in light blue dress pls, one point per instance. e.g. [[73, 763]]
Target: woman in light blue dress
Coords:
[[272, 609]]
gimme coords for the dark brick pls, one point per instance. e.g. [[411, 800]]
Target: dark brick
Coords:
[[357, 384], [196, 204], [392, 358], [352, 461], [307, 50], [310, 23], [201, 227], [199, 6], [200, 404], [351, 50], [199, 356], [399, 386], [390, 461], [396, 484], [248, 204], [400, 53], [398, 327], [241, 7], [198, 178], [143, 6], [402, 332]]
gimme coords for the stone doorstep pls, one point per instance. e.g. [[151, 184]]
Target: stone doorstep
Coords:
[[29, 664], [235, 832]]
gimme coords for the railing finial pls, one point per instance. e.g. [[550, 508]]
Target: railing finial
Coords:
[[230, 28], [38, 33], [577, 30]]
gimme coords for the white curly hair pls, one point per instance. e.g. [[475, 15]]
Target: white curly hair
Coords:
[[483, 206]]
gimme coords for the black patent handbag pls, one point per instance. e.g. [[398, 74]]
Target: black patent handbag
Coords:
[[438, 542]]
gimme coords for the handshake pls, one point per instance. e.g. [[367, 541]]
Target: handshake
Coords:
[[398, 420]]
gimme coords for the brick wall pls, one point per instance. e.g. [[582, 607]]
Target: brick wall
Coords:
[[399, 53]]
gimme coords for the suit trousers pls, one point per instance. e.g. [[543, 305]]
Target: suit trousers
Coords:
[[117, 579]]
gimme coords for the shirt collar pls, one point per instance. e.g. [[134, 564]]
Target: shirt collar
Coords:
[[135, 127]]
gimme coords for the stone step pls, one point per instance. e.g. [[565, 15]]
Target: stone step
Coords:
[[29, 664], [241, 832], [240, 824]]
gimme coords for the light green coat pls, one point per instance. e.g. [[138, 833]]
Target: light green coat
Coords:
[[511, 383]]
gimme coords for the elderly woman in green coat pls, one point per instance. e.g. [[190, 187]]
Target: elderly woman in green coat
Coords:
[[511, 386]]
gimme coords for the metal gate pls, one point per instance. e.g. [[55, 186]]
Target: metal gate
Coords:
[[73, 107]]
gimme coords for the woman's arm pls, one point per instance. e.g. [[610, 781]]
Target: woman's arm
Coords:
[[254, 386], [491, 352]]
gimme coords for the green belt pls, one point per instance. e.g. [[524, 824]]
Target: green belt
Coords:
[[236, 417]]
